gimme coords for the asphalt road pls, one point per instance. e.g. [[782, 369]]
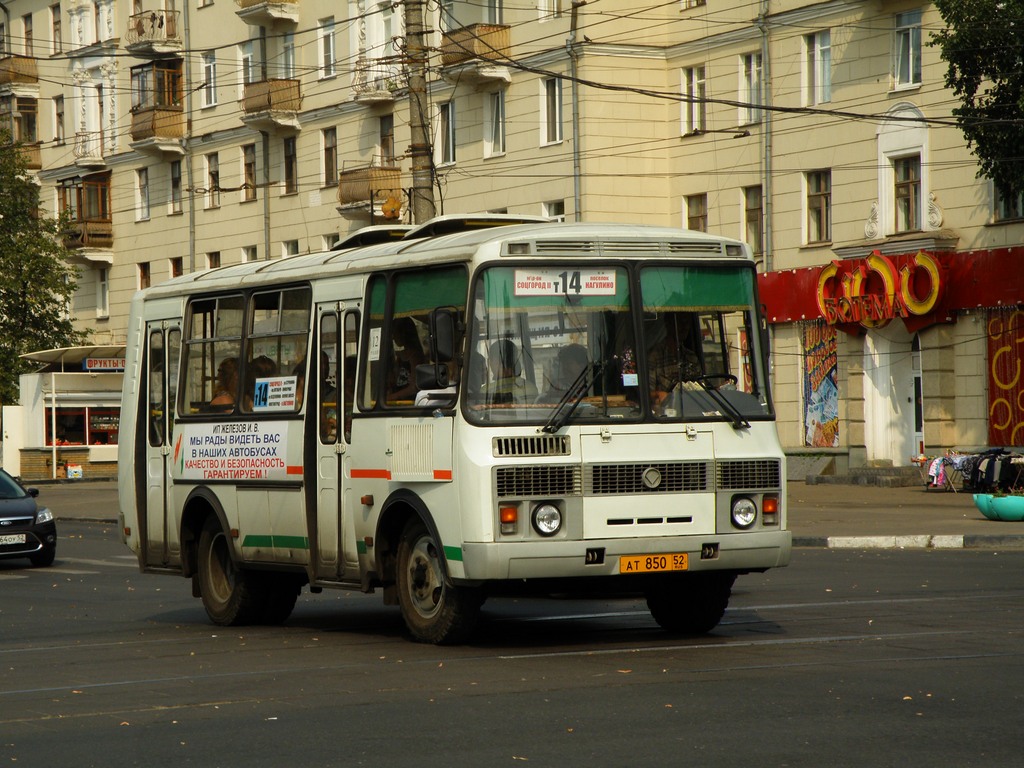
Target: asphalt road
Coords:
[[846, 658]]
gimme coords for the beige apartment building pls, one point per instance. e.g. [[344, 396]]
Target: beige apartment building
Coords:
[[188, 134]]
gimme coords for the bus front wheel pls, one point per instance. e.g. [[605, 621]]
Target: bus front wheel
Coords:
[[230, 595], [692, 604], [434, 612]]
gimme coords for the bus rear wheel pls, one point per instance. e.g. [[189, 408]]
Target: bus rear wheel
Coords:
[[692, 604], [434, 612], [230, 595]]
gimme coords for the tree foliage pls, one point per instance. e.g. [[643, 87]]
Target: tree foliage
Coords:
[[36, 278], [983, 46]]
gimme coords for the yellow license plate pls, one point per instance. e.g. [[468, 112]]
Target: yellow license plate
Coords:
[[676, 561]]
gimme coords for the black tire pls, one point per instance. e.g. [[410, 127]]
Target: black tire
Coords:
[[434, 612], [43, 558], [692, 604], [280, 592], [231, 596]]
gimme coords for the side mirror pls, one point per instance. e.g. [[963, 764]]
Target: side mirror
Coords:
[[432, 376], [443, 324]]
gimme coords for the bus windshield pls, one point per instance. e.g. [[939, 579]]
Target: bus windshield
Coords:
[[562, 344]]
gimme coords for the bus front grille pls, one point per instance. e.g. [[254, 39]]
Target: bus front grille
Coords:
[[550, 480], [744, 474], [542, 445], [666, 477]]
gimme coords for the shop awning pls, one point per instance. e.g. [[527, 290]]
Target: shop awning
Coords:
[[70, 358]]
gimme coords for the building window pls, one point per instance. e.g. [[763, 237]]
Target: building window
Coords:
[[3, 39], [145, 278], [693, 3], [142, 194], [1007, 207], [247, 57], [554, 210], [907, 50], [697, 213], [157, 84], [248, 172], [26, 21], [58, 119], [908, 193], [20, 117], [386, 132], [213, 260], [289, 248], [753, 219], [330, 156], [750, 89], [102, 292], [331, 240], [551, 9], [249, 253], [288, 55], [174, 199], [819, 206], [446, 134], [291, 178], [177, 266], [325, 38], [209, 85], [494, 127], [551, 112], [818, 68], [56, 32], [212, 180], [694, 104]]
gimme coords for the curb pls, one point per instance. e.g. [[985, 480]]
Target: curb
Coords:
[[917, 541]]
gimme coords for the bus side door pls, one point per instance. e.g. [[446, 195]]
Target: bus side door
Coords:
[[335, 553], [164, 340]]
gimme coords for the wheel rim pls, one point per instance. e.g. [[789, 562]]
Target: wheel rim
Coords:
[[426, 585], [220, 572]]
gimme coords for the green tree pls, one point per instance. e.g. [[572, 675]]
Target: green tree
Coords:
[[983, 46], [36, 278]]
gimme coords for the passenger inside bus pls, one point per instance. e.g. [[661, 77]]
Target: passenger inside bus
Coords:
[[261, 367], [571, 361], [507, 384], [227, 384], [671, 358], [408, 353]]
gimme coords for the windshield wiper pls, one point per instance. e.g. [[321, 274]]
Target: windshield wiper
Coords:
[[735, 417], [572, 398]]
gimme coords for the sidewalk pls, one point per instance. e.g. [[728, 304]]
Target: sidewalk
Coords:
[[825, 515]]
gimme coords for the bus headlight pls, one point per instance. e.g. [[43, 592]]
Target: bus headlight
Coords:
[[547, 519], [744, 512]]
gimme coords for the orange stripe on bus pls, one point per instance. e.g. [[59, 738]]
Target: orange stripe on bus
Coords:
[[442, 474], [371, 474], [294, 470]]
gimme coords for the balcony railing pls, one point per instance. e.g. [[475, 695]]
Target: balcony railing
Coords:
[[153, 29], [272, 96], [89, 148], [477, 41], [18, 69], [377, 79], [158, 122], [369, 183], [95, 233], [267, 12], [32, 156]]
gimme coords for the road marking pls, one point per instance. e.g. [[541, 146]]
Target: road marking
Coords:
[[104, 563]]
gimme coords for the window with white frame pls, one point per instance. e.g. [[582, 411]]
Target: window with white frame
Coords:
[[58, 119], [554, 210], [551, 111], [174, 193], [697, 212], [753, 219], [56, 31], [213, 180], [248, 172], [325, 47], [750, 88], [102, 292], [818, 68], [693, 3], [247, 58], [142, 194], [209, 86], [493, 12], [289, 248], [446, 133], [551, 9], [287, 65], [249, 253], [331, 240], [386, 139], [906, 67], [446, 11], [26, 22], [494, 124], [819, 206], [907, 175], [694, 106]]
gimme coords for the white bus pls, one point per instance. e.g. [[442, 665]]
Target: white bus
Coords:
[[481, 407]]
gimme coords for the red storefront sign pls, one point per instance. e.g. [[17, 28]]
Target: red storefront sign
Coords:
[[1005, 332]]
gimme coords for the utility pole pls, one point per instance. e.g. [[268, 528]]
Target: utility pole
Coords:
[[419, 145]]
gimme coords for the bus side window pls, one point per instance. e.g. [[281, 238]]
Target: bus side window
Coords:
[[275, 356], [350, 349], [327, 378], [212, 349]]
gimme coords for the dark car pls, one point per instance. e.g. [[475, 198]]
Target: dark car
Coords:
[[26, 529]]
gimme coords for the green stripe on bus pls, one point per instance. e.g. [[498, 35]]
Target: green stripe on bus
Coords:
[[453, 553], [279, 542]]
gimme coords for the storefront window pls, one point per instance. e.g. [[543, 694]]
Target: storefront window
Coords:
[[83, 426]]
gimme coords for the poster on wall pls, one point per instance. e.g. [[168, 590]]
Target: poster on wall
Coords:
[[821, 392], [1005, 379]]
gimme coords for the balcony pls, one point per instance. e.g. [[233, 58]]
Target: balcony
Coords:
[[375, 81], [158, 130], [153, 34], [88, 149], [19, 77], [272, 105], [473, 53], [261, 13], [374, 190], [93, 233], [32, 156]]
